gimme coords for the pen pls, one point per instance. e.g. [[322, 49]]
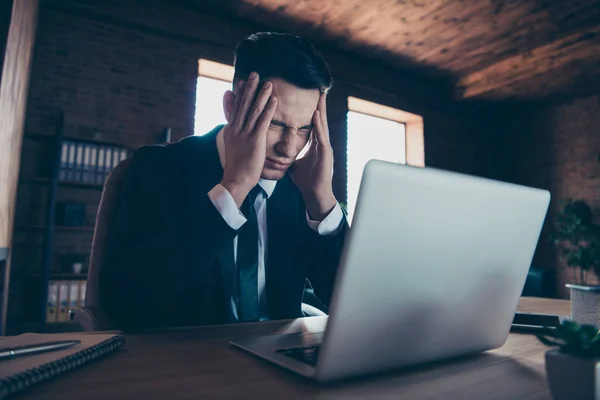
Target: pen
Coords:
[[13, 352]]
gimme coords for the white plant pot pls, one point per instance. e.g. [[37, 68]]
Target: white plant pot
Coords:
[[585, 304], [571, 377]]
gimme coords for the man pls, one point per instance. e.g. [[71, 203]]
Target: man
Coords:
[[227, 226]]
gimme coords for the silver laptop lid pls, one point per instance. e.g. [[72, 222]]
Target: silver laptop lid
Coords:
[[433, 267]]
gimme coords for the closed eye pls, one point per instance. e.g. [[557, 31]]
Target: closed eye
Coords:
[[278, 124], [304, 129]]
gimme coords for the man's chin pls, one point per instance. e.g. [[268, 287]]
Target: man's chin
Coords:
[[272, 174]]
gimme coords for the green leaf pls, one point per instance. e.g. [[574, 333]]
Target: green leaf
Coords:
[[577, 236], [573, 338], [550, 342], [589, 331]]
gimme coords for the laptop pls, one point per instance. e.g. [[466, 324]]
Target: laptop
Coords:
[[433, 268]]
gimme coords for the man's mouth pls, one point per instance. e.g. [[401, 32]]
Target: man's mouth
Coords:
[[271, 163]]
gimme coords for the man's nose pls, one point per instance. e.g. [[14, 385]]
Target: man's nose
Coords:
[[286, 147]]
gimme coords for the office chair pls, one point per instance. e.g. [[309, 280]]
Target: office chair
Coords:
[[91, 316]]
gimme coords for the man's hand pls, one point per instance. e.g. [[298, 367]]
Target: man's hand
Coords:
[[313, 173], [245, 137]]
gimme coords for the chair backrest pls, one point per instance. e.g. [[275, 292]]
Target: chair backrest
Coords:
[[107, 211]]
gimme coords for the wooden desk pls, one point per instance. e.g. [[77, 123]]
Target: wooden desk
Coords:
[[198, 363]]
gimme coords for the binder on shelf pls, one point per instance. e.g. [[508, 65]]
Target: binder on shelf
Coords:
[[85, 176], [71, 161], [107, 163], [73, 295], [116, 157], [64, 295], [87, 162], [78, 163], [64, 159], [52, 303], [93, 164], [82, 287], [100, 166], [63, 301]]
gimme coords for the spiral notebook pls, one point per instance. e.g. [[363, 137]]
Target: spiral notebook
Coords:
[[21, 372]]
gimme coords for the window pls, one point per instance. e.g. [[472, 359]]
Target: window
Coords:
[[214, 79], [375, 132]]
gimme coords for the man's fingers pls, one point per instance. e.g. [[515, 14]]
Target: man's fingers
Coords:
[[262, 126], [238, 91], [259, 106], [246, 101], [322, 107], [320, 135], [314, 141]]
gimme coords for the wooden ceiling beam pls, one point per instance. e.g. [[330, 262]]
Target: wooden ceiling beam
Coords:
[[517, 29], [487, 45], [570, 50]]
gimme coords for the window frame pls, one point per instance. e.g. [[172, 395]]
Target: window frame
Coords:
[[215, 71], [414, 127], [414, 149]]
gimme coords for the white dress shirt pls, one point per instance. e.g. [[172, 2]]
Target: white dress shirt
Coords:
[[225, 204]]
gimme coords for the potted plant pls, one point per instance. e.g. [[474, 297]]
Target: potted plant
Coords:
[[578, 237], [573, 367]]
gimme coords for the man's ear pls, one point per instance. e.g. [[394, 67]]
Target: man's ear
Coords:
[[228, 99]]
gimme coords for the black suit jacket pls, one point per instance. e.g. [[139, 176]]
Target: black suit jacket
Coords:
[[170, 251]]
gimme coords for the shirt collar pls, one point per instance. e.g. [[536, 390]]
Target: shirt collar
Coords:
[[267, 185]]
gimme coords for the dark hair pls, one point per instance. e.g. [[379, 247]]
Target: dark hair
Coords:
[[280, 55]]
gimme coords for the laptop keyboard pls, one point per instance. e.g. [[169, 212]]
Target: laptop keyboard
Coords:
[[307, 355]]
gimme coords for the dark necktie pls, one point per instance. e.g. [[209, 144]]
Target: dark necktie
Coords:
[[247, 260]]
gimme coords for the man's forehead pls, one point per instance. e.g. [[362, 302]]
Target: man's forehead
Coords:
[[292, 118], [295, 106]]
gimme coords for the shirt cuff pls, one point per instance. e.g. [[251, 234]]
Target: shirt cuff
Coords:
[[225, 204], [331, 224]]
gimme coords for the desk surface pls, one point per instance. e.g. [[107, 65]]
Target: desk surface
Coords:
[[199, 363]]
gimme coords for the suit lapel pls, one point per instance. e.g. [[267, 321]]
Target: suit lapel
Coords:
[[228, 273]]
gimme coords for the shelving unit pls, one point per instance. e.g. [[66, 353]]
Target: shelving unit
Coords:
[[47, 181], [86, 193], [58, 228], [65, 276]]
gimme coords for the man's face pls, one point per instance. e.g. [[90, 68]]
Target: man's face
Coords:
[[290, 128]]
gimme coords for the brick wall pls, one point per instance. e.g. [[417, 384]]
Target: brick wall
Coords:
[[124, 71], [557, 148]]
